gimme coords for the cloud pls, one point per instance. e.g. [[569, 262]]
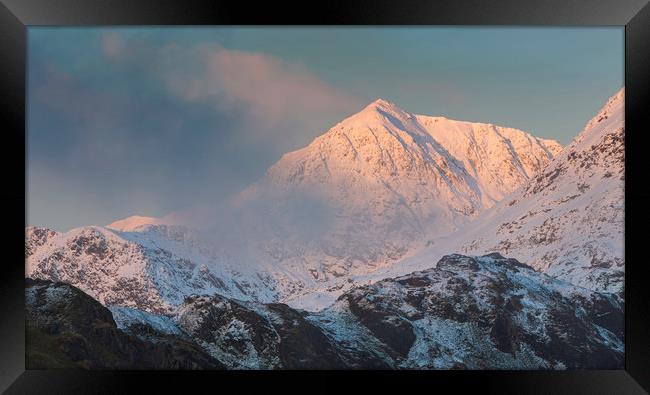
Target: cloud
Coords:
[[304, 217], [60, 91], [169, 126], [265, 86], [280, 104]]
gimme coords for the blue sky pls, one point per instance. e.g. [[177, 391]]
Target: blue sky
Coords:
[[126, 121]]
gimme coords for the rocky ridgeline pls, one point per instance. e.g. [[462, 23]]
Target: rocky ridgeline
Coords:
[[67, 328], [486, 312]]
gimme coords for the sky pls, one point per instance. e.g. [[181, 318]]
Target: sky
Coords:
[[125, 121]]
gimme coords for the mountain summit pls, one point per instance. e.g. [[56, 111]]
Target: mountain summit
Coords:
[[385, 142], [389, 179]]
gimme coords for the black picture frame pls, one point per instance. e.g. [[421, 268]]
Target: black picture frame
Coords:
[[17, 15]]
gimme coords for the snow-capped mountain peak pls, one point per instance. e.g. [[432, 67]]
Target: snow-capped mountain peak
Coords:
[[350, 231], [382, 103], [388, 180], [382, 108]]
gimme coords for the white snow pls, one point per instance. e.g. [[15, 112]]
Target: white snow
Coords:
[[569, 220], [125, 317]]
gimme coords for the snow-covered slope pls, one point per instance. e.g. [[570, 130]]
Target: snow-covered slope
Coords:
[[152, 269], [126, 317], [567, 221], [383, 181], [486, 312]]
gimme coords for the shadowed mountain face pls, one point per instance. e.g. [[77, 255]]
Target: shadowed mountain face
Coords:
[[67, 328], [485, 312], [251, 336]]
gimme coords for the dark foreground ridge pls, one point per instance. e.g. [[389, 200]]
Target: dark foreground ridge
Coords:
[[487, 312], [67, 328]]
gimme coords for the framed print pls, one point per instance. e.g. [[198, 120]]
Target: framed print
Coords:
[[436, 192]]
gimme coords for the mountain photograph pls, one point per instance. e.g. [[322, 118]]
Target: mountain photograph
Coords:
[[240, 198]]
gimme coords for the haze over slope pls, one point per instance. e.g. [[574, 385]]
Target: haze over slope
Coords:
[[383, 181]]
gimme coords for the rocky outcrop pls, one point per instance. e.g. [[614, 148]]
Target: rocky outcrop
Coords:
[[467, 312], [245, 335], [36, 237], [483, 312], [67, 328]]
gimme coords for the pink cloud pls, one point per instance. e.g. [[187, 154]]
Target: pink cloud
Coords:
[[281, 103], [264, 86]]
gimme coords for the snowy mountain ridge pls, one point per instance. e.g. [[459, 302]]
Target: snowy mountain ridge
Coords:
[[152, 269], [569, 220]]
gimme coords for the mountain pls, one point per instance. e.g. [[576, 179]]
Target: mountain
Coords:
[[383, 181], [247, 335], [466, 312], [568, 220], [36, 237], [360, 197]]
